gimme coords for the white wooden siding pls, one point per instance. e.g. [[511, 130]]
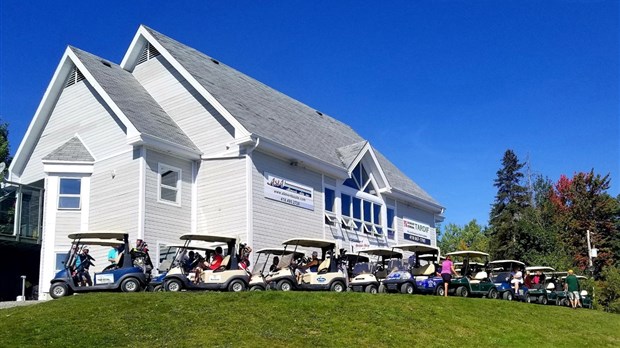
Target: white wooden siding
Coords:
[[79, 110], [163, 221], [415, 214], [114, 194], [274, 222], [196, 117], [67, 222], [222, 198]]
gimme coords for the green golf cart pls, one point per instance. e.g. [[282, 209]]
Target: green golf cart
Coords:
[[473, 279]]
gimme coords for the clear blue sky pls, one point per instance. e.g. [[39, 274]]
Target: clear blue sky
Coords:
[[442, 88]]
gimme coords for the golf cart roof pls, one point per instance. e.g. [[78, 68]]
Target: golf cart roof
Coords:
[[310, 242], [471, 263], [101, 242], [578, 277], [382, 252], [467, 253], [417, 247], [507, 261], [430, 257], [192, 247], [209, 238], [539, 268], [99, 235], [279, 251]]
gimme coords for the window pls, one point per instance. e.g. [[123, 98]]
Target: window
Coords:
[[330, 197], [390, 223], [169, 184], [69, 193], [60, 260], [360, 180]]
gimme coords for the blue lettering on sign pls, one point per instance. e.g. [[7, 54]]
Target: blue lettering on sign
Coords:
[[321, 279]]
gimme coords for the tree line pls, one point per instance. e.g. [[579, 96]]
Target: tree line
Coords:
[[544, 222]]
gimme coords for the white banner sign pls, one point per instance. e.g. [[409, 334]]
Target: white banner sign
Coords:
[[288, 192], [418, 232]]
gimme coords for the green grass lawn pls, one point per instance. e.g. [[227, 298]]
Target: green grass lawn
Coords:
[[300, 319]]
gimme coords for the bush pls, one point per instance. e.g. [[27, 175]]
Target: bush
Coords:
[[609, 295]]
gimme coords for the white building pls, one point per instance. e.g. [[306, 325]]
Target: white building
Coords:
[[172, 141]]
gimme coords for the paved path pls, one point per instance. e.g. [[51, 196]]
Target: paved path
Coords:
[[10, 304]]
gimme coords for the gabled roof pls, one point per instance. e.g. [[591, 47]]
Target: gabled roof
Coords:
[[267, 113], [349, 153], [262, 110], [71, 151], [136, 103]]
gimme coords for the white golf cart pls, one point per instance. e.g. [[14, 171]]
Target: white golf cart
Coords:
[[228, 276], [260, 279], [368, 276], [129, 272], [177, 255], [329, 276]]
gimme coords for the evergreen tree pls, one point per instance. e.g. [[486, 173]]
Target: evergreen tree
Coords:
[[505, 229]]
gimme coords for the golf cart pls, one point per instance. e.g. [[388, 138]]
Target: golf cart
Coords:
[[366, 276], [501, 275], [228, 276], [584, 297], [328, 276], [260, 279], [413, 278], [178, 252], [473, 279], [129, 272], [545, 290]]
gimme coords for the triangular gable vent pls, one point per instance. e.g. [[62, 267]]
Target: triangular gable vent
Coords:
[[75, 77], [149, 52]]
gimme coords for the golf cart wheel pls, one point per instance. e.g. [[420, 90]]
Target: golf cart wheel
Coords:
[[130, 285], [528, 299], [406, 289], [371, 289], [284, 285], [256, 288], [544, 300], [173, 285], [158, 288], [508, 296], [58, 290], [439, 290], [337, 287], [236, 286], [382, 289], [492, 294]]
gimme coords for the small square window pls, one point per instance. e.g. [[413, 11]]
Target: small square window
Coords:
[[69, 193], [169, 184]]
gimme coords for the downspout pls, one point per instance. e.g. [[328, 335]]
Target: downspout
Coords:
[[249, 195]]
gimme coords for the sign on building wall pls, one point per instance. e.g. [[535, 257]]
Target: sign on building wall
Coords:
[[418, 232], [289, 192]]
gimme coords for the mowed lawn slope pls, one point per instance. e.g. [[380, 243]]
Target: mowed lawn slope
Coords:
[[300, 319]]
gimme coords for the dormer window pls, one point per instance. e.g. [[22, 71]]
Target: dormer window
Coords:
[[360, 180]]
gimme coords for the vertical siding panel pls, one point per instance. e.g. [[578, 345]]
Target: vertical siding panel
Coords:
[[114, 194], [222, 206]]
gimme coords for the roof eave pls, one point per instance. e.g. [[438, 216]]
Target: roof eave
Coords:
[[300, 158], [396, 193], [164, 146]]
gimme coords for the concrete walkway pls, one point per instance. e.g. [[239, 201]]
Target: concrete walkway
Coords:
[[10, 304]]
